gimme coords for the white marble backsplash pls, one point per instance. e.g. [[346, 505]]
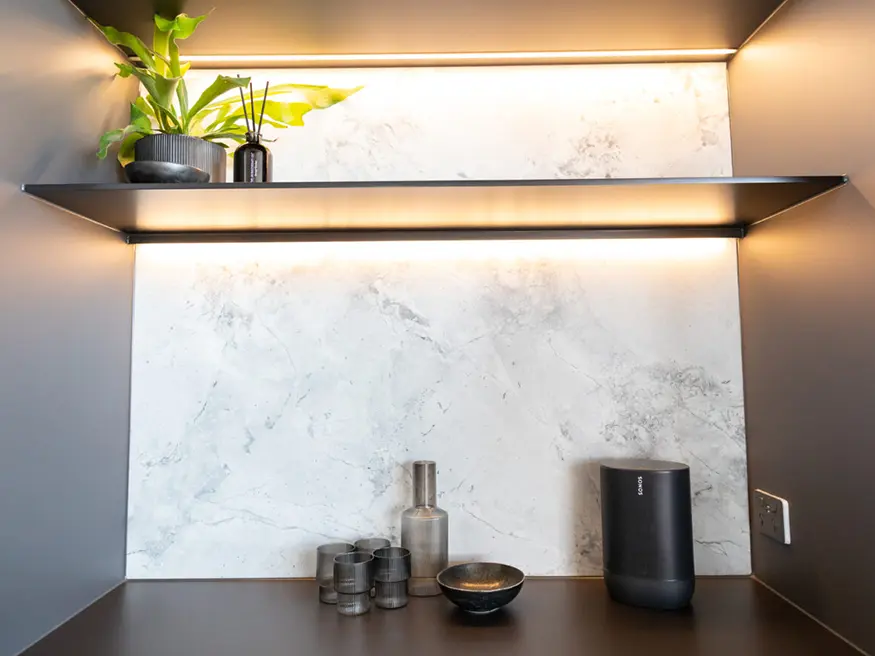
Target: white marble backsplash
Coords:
[[507, 122], [281, 391]]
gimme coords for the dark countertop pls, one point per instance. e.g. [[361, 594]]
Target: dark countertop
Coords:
[[551, 617]]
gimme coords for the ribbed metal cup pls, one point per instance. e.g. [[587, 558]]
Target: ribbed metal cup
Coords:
[[391, 594], [392, 570], [392, 564], [325, 569], [353, 604], [352, 573]]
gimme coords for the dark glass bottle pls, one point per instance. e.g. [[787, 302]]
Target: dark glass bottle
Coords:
[[252, 161]]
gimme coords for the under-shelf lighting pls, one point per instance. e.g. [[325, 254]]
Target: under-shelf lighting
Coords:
[[318, 253], [462, 58]]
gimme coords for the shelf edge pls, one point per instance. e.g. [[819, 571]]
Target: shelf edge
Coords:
[[438, 234], [70, 212], [845, 180]]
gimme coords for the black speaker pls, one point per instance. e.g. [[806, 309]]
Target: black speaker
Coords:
[[647, 533]]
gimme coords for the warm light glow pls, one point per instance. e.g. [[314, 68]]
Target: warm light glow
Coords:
[[313, 253], [467, 57]]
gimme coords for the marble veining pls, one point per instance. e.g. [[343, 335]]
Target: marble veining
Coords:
[[507, 122], [281, 392]]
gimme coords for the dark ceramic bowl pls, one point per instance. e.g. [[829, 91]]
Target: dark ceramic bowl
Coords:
[[481, 587], [164, 173]]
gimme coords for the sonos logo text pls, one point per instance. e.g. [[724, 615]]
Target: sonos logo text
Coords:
[[640, 486]]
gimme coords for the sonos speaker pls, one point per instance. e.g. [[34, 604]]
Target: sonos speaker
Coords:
[[647, 533]]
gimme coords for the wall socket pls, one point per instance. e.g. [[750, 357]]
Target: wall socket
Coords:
[[771, 516]]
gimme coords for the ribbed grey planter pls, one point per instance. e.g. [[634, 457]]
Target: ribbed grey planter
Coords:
[[182, 149]]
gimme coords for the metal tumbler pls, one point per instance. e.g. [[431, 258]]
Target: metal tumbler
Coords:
[[392, 571], [370, 545], [352, 582], [325, 569]]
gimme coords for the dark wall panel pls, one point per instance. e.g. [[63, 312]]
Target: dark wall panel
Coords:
[[65, 326], [802, 101]]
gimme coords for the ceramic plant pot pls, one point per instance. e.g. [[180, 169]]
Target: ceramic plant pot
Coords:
[[182, 149]]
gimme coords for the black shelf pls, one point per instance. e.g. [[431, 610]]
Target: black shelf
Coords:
[[332, 27], [464, 209]]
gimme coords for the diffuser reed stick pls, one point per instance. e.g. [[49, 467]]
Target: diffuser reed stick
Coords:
[[261, 117]]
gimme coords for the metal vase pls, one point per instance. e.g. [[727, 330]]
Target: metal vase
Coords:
[[424, 532], [183, 149]]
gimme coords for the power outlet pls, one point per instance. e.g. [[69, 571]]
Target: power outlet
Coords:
[[772, 516]]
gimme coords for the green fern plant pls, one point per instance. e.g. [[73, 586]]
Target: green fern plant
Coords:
[[214, 116]]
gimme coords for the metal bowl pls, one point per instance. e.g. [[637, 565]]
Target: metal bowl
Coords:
[[164, 173], [481, 588]]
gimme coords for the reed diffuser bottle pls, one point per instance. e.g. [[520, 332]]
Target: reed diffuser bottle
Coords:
[[425, 532], [252, 160]]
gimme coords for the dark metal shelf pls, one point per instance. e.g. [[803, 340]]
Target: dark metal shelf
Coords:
[[368, 27], [463, 209]]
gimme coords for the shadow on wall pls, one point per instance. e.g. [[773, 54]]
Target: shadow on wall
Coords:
[[60, 93]]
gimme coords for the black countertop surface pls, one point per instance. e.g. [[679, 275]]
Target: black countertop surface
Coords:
[[551, 617]]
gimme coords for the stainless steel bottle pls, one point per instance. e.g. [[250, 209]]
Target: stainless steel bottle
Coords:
[[425, 531]]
